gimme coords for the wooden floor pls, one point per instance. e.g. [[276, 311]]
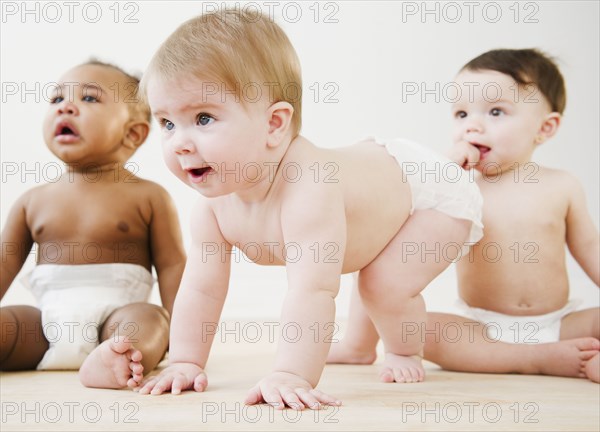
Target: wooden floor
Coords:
[[445, 401]]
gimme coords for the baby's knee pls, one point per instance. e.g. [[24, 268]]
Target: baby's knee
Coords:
[[382, 288], [135, 317], [20, 321], [23, 343], [146, 311]]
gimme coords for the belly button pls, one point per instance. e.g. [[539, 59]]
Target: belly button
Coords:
[[524, 305]]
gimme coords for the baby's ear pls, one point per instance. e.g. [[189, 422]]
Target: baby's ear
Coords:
[[136, 133], [549, 127], [280, 119]]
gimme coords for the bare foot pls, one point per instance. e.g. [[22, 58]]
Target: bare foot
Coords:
[[402, 369], [592, 368], [114, 364], [343, 353], [565, 358]]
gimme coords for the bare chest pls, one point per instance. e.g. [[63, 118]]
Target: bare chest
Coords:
[[103, 217]]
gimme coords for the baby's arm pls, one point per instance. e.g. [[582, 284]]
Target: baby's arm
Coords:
[[582, 234], [168, 255], [314, 232], [16, 242], [197, 307]]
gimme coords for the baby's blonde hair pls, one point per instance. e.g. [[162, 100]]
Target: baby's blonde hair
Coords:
[[238, 49]]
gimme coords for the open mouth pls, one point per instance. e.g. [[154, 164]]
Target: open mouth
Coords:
[[66, 132], [483, 150], [198, 174]]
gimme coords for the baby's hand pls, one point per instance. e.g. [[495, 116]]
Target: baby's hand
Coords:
[[464, 154], [283, 388], [176, 377]]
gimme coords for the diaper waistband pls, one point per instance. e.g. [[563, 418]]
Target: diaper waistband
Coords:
[[61, 276], [571, 306]]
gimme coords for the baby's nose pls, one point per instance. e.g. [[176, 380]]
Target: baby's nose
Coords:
[[182, 144], [473, 125], [67, 107]]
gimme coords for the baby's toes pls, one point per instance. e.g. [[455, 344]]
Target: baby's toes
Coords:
[[136, 368], [414, 374], [134, 382], [135, 355], [402, 375], [386, 375]]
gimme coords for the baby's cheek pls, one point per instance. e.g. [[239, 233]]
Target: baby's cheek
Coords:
[[173, 164]]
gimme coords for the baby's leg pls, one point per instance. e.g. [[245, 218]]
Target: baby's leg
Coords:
[[581, 323], [360, 341], [390, 287], [134, 338], [584, 323], [23, 343], [458, 344]]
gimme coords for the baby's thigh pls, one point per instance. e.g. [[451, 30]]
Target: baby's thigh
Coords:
[[427, 243], [581, 324]]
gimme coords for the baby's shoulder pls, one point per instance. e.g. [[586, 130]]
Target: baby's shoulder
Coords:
[[556, 177], [148, 190], [36, 193]]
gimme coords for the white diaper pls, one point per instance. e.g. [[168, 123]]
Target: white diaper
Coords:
[[438, 183], [531, 329], [75, 300]]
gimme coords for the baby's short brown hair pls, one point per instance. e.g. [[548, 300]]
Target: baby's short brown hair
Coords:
[[526, 66]]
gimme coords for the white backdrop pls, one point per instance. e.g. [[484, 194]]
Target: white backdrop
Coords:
[[377, 67]]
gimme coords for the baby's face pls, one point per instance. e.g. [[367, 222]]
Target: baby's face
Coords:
[[499, 117], [211, 141], [86, 120]]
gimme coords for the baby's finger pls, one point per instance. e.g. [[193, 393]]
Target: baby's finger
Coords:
[[274, 399], [147, 385], [179, 384], [162, 385], [325, 398], [473, 157], [309, 399], [292, 400], [254, 396], [200, 382]]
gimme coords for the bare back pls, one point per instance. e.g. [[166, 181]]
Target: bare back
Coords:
[[377, 202]]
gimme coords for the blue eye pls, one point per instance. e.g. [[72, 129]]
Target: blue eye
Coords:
[[88, 98], [57, 99], [204, 119], [496, 112], [168, 125]]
